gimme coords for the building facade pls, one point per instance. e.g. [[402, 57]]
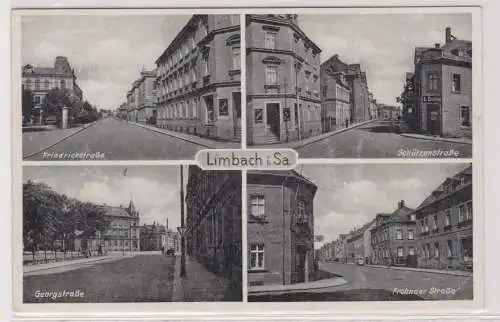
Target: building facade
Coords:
[[443, 87], [123, 233], [335, 97], [444, 224], [152, 237], [172, 240], [198, 77], [41, 80], [213, 221], [393, 239], [280, 228], [283, 80], [141, 99], [372, 103], [358, 243]]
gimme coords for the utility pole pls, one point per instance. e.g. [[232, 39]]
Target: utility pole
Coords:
[[182, 230]]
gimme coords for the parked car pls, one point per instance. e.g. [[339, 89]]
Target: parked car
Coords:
[[360, 261], [170, 252]]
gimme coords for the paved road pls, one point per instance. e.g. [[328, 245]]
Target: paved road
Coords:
[[378, 284], [145, 278], [120, 140], [375, 140]]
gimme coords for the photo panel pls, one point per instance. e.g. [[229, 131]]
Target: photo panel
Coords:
[[361, 232], [135, 234], [124, 86], [334, 85]]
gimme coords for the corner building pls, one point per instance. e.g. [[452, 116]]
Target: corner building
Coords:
[[198, 77], [280, 228], [213, 221], [444, 224], [283, 99]]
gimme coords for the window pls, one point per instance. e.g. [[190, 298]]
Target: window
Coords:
[[465, 211], [435, 222], [325, 89], [400, 251], [411, 234], [257, 206], [436, 250], [447, 217], [411, 251], [193, 75], [205, 66], [456, 86], [37, 100], [399, 234], [433, 79], [271, 75], [236, 58], [413, 217], [47, 84], [301, 210], [465, 115], [256, 256], [270, 40], [449, 248], [186, 78], [235, 20], [258, 115], [37, 83], [223, 107], [63, 84]]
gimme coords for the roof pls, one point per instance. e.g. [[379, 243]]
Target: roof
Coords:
[[433, 198], [115, 211], [285, 174], [400, 214]]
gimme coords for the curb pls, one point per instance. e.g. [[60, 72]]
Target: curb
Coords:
[[317, 138], [172, 135], [434, 139], [444, 272], [68, 264], [61, 140], [342, 282]]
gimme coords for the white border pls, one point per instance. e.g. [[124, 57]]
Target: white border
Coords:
[[321, 309]]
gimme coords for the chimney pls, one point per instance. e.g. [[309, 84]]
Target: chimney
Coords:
[[401, 204], [436, 45], [448, 35]]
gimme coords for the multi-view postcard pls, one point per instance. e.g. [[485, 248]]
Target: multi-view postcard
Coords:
[[115, 206]]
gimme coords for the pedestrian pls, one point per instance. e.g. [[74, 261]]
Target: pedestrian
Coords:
[[346, 123]]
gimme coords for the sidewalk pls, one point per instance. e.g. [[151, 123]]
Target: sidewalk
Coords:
[[200, 285], [437, 138], [66, 265], [425, 270], [307, 286], [207, 143], [36, 142], [312, 139]]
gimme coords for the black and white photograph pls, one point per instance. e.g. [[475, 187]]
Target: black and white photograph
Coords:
[[131, 234], [361, 232], [387, 85], [129, 87]]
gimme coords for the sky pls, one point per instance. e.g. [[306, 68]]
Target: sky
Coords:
[[351, 195], [382, 43], [106, 51], [154, 190]]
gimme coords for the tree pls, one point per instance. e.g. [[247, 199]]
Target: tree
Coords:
[[54, 102], [27, 105]]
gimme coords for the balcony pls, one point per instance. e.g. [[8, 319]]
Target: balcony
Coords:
[[464, 223], [424, 233]]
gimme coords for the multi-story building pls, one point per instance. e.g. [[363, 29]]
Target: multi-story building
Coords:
[[213, 221], [444, 224], [358, 243], [41, 80], [172, 240], [280, 228], [341, 248], [372, 103], [152, 236], [327, 251], [335, 96], [443, 87], [283, 80], [393, 239], [198, 76], [141, 98], [122, 234]]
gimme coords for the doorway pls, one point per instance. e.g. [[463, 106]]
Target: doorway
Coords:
[[273, 118], [300, 263], [434, 119], [237, 110]]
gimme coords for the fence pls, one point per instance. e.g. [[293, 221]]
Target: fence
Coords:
[[40, 257]]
